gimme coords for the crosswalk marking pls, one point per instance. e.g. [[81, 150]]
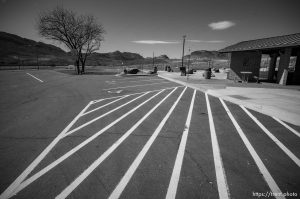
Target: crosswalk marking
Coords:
[[284, 148], [172, 189], [129, 173], [219, 168], [97, 162], [262, 168]]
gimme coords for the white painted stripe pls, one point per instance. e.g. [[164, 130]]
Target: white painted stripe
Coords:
[[143, 80], [97, 162], [167, 88], [8, 192], [220, 172], [147, 80], [100, 100], [129, 173], [287, 126], [262, 168], [137, 85], [282, 146], [172, 189], [100, 107], [78, 147], [35, 77], [103, 115]]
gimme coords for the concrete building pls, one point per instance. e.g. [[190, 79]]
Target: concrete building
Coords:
[[284, 59]]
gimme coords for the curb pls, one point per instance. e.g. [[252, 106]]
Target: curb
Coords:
[[267, 110], [134, 75]]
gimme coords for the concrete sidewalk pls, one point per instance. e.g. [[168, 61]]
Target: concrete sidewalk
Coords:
[[275, 100]]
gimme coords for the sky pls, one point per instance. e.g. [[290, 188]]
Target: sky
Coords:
[[147, 26]]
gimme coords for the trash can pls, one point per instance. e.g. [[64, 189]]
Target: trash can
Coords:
[[169, 69], [191, 71], [207, 74], [183, 71]]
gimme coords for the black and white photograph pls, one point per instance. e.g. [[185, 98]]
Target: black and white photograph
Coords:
[[149, 99]]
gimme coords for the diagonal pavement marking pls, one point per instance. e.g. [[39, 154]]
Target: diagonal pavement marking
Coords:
[[100, 107], [75, 149], [35, 77], [8, 192], [129, 173], [137, 85], [220, 172], [96, 101], [172, 189], [287, 126], [103, 115], [97, 162], [262, 168], [282, 146]]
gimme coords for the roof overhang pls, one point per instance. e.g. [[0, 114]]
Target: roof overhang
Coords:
[[265, 44]]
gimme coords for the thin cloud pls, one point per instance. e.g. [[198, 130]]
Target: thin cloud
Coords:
[[221, 25], [205, 41], [155, 42]]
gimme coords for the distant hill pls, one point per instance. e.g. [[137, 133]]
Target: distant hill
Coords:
[[164, 57], [114, 58], [206, 55], [15, 50]]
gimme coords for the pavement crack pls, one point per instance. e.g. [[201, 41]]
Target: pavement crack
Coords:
[[207, 179]]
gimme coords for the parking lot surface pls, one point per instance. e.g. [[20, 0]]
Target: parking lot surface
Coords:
[[92, 136]]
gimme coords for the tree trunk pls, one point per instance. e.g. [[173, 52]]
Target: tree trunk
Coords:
[[82, 66], [77, 66]]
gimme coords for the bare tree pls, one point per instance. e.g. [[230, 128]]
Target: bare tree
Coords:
[[80, 33]]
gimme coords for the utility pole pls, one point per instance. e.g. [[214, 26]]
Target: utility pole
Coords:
[[183, 43], [184, 36], [153, 59], [187, 76]]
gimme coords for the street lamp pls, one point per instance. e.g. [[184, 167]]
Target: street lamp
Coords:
[[153, 59], [188, 66], [183, 43]]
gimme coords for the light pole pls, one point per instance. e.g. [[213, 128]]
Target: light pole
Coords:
[[183, 43], [187, 76], [153, 60]]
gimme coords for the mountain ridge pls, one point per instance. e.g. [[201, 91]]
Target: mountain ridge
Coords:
[[16, 50]]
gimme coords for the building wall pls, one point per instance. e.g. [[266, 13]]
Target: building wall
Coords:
[[284, 61], [244, 61], [296, 75]]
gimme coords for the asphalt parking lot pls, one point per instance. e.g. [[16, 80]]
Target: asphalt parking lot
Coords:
[[106, 136]]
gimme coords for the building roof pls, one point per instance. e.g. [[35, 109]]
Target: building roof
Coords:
[[265, 43]]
